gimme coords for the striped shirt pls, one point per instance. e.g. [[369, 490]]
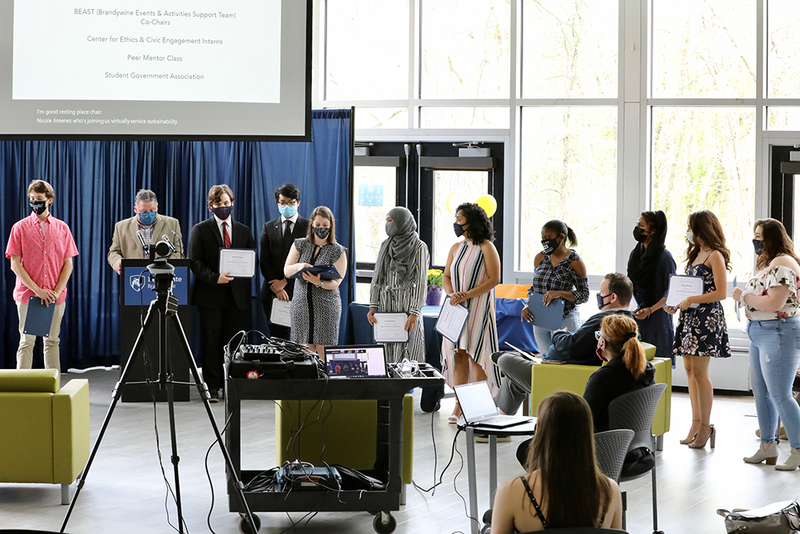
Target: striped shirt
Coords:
[[42, 248], [561, 277]]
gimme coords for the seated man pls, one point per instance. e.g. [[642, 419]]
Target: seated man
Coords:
[[568, 347]]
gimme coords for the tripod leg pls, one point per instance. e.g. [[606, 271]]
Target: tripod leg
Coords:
[[117, 394], [165, 381], [201, 387]]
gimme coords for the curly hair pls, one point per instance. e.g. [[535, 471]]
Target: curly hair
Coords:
[[480, 227]]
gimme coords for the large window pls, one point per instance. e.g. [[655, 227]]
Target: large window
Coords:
[[451, 188]]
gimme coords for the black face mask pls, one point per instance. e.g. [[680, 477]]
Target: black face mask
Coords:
[[758, 245], [322, 232], [38, 206], [639, 235], [601, 298], [458, 229], [549, 245]]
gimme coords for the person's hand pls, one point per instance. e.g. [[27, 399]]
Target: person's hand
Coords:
[[457, 298], [277, 285], [47, 296], [642, 313], [737, 295], [371, 317], [312, 278], [684, 304], [118, 267], [670, 310], [224, 278], [410, 322], [282, 295], [549, 296], [526, 314]]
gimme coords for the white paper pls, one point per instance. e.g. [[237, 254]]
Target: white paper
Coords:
[[633, 305], [390, 328], [241, 262], [451, 320], [281, 313], [682, 286]]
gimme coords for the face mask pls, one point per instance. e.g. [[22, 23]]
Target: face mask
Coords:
[[322, 232], [38, 206], [601, 298], [549, 245], [147, 217], [222, 212], [391, 229], [639, 235], [690, 238], [758, 245], [458, 229], [599, 352], [287, 211]]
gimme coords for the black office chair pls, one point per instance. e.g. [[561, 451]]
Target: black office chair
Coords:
[[584, 530], [635, 411], [611, 447]]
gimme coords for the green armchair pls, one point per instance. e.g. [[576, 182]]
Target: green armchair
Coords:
[[547, 378], [45, 428]]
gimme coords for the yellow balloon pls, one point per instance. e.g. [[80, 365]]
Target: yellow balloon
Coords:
[[488, 203], [454, 199]]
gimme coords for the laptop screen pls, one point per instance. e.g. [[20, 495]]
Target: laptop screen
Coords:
[[356, 361], [475, 400]]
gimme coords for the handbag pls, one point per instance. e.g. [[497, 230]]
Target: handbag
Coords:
[[776, 518]]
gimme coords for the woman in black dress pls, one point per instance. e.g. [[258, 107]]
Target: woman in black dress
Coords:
[[649, 268], [702, 333]]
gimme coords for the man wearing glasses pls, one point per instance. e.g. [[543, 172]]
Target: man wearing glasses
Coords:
[[577, 347], [276, 242]]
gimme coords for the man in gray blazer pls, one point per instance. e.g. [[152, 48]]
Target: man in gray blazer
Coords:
[[146, 223]]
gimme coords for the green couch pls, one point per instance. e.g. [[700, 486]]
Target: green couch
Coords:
[[549, 377], [44, 428]]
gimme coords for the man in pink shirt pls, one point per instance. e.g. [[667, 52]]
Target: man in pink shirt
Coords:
[[41, 249]]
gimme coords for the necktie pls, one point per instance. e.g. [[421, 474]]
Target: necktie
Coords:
[[287, 230], [226, 238]]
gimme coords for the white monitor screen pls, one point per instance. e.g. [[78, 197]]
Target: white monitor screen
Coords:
[[160, 69]]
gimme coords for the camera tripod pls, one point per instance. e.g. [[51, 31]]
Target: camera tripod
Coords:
[[165, 306]]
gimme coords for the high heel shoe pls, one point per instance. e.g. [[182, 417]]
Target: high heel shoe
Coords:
[[692, 437], [791, 463], [770, 454], [712, 436]]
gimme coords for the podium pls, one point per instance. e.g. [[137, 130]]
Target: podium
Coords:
[[136, 293]]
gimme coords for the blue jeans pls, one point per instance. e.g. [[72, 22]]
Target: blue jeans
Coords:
[[542, 335], [774, 355]]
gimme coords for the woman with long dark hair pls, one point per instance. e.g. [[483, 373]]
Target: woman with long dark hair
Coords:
[[627, 368], [562, 486], [772, 304], [558, 273], [702, 333], [649, 267], [472, 271]]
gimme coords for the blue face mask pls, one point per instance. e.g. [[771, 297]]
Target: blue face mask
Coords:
[[287, 211], [147, 218]]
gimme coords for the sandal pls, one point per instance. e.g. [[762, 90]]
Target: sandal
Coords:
[[453, 419]]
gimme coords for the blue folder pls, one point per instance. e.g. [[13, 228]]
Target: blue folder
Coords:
[[550, 317], [325, 272], [39, 318]]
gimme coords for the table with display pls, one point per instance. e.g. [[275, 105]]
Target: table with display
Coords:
[[526, 429], [389, 393]]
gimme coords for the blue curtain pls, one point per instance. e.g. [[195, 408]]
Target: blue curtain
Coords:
[[95, 184]]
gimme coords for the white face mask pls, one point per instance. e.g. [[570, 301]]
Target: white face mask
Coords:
[[690, 237]]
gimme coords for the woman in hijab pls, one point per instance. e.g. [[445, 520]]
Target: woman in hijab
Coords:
[[400, 282]]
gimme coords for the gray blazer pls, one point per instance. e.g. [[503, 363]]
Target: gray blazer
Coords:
[[126, 245]]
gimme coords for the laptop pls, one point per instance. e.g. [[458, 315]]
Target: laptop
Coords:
[[479, 408], [356, 361]]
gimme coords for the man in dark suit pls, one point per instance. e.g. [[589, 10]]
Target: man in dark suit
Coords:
[[223, 301], [276, 242]]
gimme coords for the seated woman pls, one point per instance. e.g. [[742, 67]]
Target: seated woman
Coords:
[[627, 369], [563, 486]]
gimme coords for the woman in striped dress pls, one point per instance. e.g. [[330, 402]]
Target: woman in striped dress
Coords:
[[472, 271], [400, 282]]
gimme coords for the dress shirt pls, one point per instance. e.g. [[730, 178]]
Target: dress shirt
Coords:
[[229, 226]]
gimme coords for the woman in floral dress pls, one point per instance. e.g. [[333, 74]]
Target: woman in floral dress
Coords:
[[702, 333]]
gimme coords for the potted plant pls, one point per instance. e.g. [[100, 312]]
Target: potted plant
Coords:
[[435, 291]]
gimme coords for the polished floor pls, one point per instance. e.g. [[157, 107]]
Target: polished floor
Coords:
[[126, 493]]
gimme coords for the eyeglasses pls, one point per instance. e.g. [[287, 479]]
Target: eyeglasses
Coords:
[[292, 203], [598, 336]]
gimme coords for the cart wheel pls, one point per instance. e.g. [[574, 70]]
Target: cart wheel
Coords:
[[384, 523], [244, 526]]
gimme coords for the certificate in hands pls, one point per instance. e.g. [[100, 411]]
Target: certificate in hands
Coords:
[[682, 286], [241, 262], [451, 320], [390, 328], [281, 313], [325, 272]]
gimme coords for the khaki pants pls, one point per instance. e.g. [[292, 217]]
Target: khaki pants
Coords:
[[51, 351]]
